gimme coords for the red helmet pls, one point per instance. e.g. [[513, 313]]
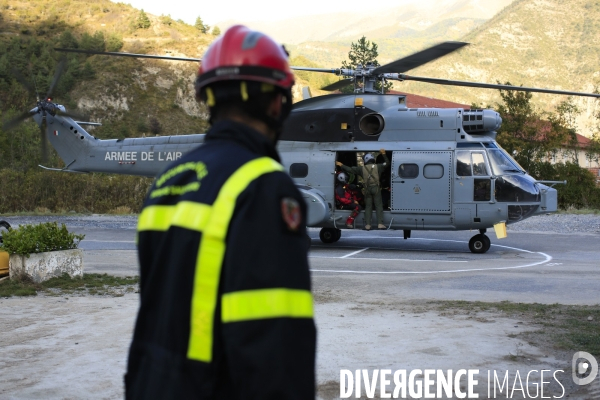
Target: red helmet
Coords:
[[242, 54]]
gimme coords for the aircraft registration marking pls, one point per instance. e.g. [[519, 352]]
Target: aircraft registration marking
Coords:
[[142, 155]]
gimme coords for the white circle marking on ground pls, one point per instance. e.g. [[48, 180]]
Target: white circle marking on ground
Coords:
[[547, 258]]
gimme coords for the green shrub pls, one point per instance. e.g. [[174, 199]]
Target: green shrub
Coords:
[[39, 238]]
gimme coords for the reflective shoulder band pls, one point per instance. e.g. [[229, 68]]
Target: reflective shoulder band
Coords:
[[185, 214], [266, 303], [211, 253]]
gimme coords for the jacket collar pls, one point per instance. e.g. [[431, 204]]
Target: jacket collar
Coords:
[[243, 135]]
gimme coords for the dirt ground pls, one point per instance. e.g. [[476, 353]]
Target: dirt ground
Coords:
[[76, 347]]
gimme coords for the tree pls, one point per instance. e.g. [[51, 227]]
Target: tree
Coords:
[[67, 40], [216, 31], [142, 21], [363, 53], [201, 26], [527, 135], [114, 42], [155, 126], [95, 42]]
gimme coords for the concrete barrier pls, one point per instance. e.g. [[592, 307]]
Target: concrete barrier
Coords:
[[43, 266]]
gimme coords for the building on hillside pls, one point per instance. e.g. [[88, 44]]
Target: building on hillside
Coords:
[[579, 153]]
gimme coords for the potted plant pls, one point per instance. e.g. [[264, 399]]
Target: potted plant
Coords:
[[43, 251]]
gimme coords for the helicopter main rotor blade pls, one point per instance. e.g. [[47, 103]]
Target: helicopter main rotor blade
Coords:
[[16, 121], [417, 59], [133, 55], [338, 85], [59, 70], [492, 86], [329, 70], [23, 81]]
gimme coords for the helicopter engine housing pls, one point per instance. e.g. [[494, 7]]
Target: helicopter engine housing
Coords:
[[480, 121]]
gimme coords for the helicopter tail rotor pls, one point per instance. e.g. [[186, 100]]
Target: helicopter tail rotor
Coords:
[[44, 107]]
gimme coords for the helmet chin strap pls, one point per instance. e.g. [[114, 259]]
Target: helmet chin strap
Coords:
[[276, 123]]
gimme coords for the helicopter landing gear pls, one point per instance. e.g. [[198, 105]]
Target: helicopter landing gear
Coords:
[[479, 244], [330, 235]]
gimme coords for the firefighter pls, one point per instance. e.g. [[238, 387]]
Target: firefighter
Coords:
[[371, 174], [226, 306], [345, 198]]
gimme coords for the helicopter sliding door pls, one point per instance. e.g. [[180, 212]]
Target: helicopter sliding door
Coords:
[[421, 182]]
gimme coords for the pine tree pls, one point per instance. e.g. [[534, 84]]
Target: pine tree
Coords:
[[362, 53], [216, 31], [155, 126], [201, 26], [143, 22]]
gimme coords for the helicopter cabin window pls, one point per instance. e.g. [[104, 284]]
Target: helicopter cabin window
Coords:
[[298, 170], [479, 167], [463, 163], [433, 171], [482, 190], [408, 171]]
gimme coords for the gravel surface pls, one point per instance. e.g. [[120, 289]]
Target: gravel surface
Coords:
[[557, 223]]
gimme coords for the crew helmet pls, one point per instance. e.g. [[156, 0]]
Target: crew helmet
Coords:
[[241, 54], [342, 177], [368, 158]]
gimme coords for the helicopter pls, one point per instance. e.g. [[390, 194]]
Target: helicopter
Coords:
[[447, 172]]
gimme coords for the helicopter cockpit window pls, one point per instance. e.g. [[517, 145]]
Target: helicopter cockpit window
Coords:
[[408, 171], [298, 170], [501, 163], [463, 163], [433, 171], [479, 167]]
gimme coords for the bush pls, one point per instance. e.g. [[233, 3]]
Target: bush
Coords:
[[39, 238]]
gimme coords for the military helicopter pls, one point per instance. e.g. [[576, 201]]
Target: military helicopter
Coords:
[[447, 172]]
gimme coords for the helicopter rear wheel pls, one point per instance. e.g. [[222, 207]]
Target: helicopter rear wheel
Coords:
[[330, 235], [479, 244]]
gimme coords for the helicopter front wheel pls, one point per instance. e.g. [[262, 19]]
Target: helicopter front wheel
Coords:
[[330, 235], [479, 244]]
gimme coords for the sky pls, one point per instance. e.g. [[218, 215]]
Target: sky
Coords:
[[217, 11]]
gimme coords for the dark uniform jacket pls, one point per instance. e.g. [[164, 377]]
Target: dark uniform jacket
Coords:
[[226, 307]]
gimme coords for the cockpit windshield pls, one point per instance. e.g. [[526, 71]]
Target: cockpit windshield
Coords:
[[502, 163]]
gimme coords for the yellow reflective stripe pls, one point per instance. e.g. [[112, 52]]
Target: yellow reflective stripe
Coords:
[[266, 303], [185, 214], [211, 253]]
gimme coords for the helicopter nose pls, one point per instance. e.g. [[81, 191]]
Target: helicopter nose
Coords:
[[549, 199]]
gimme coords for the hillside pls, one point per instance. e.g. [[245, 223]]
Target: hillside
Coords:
[[325, 38], [543, 43]]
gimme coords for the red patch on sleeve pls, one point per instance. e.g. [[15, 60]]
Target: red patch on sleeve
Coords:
[[290, 211]]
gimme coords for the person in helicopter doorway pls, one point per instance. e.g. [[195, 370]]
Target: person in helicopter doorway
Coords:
[[371, 174], [345, 198]]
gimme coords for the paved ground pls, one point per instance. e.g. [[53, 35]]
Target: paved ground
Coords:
[[371, 291]]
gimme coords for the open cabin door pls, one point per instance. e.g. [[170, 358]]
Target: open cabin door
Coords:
[[421, 182]]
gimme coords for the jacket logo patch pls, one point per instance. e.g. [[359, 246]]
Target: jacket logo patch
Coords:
[[290, 211]]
